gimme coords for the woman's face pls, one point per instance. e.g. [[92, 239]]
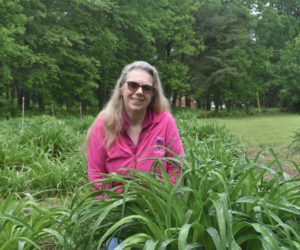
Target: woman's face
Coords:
[[137, 101]]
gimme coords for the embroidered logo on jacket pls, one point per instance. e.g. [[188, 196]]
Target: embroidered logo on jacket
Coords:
[[159, 142]]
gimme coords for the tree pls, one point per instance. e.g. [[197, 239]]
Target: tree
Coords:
[[290, 92], [225, 32], [14, 54], [62, 69], [277, 24], [72, 51], [173, 41]]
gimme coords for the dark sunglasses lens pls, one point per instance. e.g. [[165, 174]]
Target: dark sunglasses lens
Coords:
[[147, 89], [133, 85]]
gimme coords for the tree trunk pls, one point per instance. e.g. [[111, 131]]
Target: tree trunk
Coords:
[[20, 94], [179, 98], [217, 104], [169, 48], [199, 104], [168, 91], [68, 107], [208, 104], [229, 105], [12, 96], [102, 94], [187, 102], [174, 99], [27, 100], [247, 105], [41, 103]]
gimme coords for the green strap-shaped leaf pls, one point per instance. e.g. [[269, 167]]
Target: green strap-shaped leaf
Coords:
[[215, 237], [268, 239], [133, 239], [15, 220], [57, 235], [17, 239], [183, 235]]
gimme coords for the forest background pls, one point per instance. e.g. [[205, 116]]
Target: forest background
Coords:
[[68, 52]]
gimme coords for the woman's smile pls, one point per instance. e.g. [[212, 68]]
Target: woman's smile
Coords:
[[135, 100]]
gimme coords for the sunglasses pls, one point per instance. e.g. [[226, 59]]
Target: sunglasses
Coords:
[[134, 86]]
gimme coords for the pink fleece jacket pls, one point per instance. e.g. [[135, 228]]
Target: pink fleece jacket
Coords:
[[158, 129]]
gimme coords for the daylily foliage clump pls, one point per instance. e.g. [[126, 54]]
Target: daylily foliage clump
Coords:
[[221, 201]]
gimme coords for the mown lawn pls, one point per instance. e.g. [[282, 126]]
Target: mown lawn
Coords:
[[265, 131]]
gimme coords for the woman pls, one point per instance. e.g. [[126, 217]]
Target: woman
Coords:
[[133, 126]]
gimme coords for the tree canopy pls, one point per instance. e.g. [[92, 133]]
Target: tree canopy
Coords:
[[72, 51]]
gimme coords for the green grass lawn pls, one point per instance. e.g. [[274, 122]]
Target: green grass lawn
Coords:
[[260, 132], [263, 131]]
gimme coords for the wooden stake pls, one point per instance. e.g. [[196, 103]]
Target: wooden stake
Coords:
[[80, 108], [258, 104], [23, 109]]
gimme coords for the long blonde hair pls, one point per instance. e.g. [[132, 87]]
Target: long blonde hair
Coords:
[[112, 113]]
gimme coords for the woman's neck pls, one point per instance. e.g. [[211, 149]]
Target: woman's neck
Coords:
[[136, 119]]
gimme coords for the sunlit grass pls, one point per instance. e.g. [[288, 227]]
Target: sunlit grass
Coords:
[[260, 132], [264, 130]]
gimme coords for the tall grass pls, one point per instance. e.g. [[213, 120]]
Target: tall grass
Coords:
[[46, 156], [221, 201]]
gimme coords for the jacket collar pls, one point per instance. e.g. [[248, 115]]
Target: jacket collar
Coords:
[[149, 119]]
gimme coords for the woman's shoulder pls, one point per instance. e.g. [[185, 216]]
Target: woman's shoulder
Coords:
[[98, 126], [99, 120], [163, 116]]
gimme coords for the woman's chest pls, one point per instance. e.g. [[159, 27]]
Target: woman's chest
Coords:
[[150, 145]]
